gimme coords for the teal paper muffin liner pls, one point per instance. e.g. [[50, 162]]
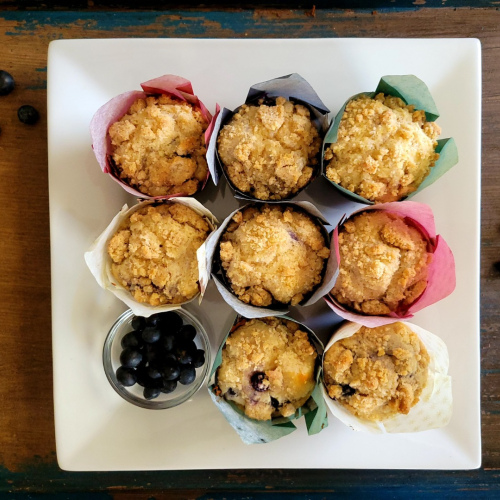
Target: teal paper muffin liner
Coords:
[[412, 91], [257, 431]]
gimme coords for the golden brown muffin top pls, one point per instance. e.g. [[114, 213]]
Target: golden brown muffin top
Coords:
[[267, 368], [153, 253], [159, 146], [273, 253], [378, 372], [270, 151], [383, 263], [384, 148]]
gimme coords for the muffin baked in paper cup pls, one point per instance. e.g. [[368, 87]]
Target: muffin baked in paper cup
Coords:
[[264, 431], [170, 85], [99, 262], [294, 88], [251, 311], [435, 406], [412, 91], [441, 278]]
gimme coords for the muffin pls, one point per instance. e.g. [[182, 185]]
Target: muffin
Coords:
[[273, 254], [384, 148], [270, 151], [383, 263], [158, 146], [268, 368], [153, 253], [377, 373]]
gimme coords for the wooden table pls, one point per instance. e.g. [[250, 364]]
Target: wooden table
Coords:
[[27, 451]]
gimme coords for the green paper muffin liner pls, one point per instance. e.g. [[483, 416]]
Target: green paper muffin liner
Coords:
[[413, 91], [257, 431]]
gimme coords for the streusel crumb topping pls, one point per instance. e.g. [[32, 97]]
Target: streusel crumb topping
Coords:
[[273, 253], [384, 148], [383, 263], [159, 146], [267, 368], [153, 253], [270, 152], [378, 372]]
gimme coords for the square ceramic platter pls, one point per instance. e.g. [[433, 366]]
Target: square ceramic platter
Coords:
[[95, 428]]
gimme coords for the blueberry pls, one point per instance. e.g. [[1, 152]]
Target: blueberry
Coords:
[[347, 390], [130, 358], [151, 334], [199, 358], [170, 321], [6, 83], [275, 403], [126, 376], [187, 332], [168, 386], [185, 352], [138, 323], [151, 392], [232, 392], [131, 339], [259, 381], [168, 341], [153, 373], [171, 371], [153, 320], [28, 114], [187, 375], [170, 357], [142, 375]]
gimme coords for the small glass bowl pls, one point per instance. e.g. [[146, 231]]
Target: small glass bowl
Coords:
[[111, 361]]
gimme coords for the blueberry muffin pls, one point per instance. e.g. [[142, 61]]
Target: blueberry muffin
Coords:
[[273, 254], [270, 151], [158, 147], [153, 253], [268, 368], [377, 373], [384, 149], [383, 263]]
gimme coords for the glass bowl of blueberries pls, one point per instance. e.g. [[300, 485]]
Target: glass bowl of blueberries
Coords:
[[157, 362]]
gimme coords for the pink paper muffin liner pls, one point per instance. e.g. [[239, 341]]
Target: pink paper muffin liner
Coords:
[[441, 279], [113, 110]]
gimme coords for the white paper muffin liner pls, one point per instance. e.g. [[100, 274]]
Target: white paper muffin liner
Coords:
[[99, 262], [248, 310], [435, 407]]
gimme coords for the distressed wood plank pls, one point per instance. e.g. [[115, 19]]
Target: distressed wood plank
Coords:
[[26, 419]]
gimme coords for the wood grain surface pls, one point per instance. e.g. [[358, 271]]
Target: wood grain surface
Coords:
[[27, 451]]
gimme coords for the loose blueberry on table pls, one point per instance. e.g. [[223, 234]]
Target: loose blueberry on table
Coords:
[[6, 82], [159, 353]]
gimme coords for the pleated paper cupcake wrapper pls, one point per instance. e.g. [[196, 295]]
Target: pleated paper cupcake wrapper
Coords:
[[412, 91], [170, 85], [441, 278], [248, 310], [99, 262], [435, 407], [259, 431], [292, 87]]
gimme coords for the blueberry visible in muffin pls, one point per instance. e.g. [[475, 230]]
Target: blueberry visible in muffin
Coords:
[[268, 368]]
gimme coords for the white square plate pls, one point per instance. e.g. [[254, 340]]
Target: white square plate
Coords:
[[95, 428]]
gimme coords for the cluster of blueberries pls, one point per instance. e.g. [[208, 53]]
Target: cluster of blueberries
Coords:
[[159, 353], [26, 114]]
